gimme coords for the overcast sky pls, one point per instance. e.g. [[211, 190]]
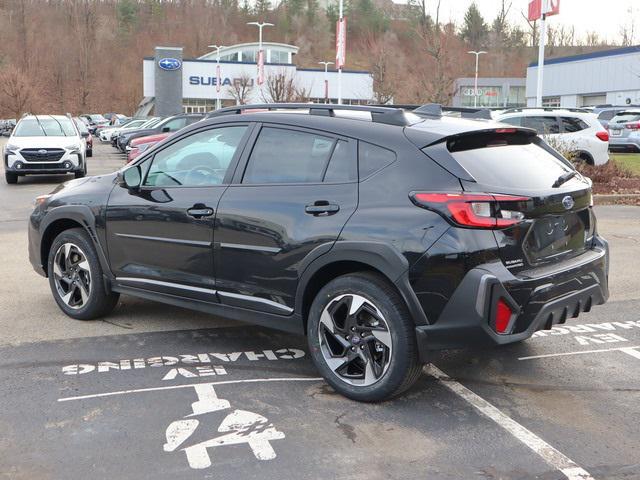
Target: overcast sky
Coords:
[[604, 17]]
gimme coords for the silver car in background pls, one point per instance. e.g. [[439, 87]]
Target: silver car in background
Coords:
[[624, 131]]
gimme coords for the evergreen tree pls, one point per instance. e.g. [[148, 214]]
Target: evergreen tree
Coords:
[[474, 29]]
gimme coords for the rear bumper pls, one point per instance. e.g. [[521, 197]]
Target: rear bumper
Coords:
[[629, 144], [547, 297]]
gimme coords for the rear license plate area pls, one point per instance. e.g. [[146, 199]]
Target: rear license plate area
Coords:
[[557, 236]]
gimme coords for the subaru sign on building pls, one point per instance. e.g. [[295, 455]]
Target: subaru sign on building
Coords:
[[172, 84]]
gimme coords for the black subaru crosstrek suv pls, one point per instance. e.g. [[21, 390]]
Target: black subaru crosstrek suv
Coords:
[[378, 233]]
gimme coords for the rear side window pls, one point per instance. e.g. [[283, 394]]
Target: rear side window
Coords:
[[542, 125], [606, 115], [343, 166], [508, 163], [572, 124], [517, 121], [372, 158], [288, 156]]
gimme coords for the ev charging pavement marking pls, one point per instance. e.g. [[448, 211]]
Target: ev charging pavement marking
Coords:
[[548, 453], [628, 350]]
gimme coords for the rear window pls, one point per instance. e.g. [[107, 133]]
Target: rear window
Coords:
[[606, 115], [626, 117], [507, 161]]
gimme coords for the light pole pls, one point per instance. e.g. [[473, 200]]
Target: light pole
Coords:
[[326, 80], [475, 88], [218, 75], [342, 39], [260, 59]]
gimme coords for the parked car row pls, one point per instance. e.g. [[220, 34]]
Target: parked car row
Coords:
[[139, 135]]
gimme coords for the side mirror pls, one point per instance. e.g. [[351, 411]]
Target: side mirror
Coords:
[[166, 129], [84, 134], [130, 178]]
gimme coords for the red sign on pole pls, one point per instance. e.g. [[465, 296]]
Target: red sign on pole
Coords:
[[538, 7], [341, 42], [535, 10], [553, 8], [260, 67]]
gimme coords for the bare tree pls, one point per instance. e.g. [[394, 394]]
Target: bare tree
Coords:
[[282, 88], [16, 91], [628, 30], [241, 89]]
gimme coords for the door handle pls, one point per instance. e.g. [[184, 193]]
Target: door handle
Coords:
[[322, 207], [200, 210]]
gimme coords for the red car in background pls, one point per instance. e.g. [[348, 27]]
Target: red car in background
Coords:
[[142, 144]]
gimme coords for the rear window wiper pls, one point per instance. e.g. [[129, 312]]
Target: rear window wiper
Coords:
[[564, 178]]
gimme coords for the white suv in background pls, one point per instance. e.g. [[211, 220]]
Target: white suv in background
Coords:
[[44, 144], [106, 134], [575, 130]]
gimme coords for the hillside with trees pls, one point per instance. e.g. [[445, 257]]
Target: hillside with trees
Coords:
[[86, 55]]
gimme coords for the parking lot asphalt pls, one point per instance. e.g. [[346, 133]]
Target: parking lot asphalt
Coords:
[[160, 392]]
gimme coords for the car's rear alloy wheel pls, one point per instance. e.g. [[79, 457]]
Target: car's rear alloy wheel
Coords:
[[72, 275], [354, 339], [362, 338]]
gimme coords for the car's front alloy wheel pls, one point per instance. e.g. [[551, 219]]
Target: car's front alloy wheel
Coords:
[[76, 276], [72, 275]]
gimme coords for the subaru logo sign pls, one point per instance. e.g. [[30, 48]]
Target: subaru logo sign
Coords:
[[567, 202], [169, 63], [42, 151]]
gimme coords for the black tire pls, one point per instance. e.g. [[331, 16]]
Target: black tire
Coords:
[[11, 178], [90, 153], [403, 364], [82, 173], [99, 302]]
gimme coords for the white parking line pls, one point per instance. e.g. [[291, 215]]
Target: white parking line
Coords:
[[627, 350], [189, 385], [548, 453]]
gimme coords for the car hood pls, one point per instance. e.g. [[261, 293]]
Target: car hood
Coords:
[[43, 142]]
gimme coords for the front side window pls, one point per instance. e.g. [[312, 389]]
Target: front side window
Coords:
[[174, 124], [288, 156], [198, 160], [516, 121]]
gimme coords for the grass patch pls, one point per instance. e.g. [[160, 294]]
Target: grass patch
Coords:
[[628, 161]]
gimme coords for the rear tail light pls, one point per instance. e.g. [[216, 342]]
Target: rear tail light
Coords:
[[632, 126], [474, 210], [503, 316], [604, 136]]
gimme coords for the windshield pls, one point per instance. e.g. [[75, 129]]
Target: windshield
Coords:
[[97, 118], [45, 126], [151, 123]]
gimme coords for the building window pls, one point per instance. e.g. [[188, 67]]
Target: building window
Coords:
[[279, 56], [198, 105], [517, 97], [553, 102], [249, 56], [487, 96]]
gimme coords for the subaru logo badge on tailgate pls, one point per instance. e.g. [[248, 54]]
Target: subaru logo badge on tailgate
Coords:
[[169, 64], [567, 202]]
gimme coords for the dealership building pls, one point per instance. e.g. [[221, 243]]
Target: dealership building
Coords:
[[172, 84], [598, 78], [497, 92]]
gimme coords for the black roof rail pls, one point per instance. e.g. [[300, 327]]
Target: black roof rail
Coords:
[[386, 115], [546, 109]]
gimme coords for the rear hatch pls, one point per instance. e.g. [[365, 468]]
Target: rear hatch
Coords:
[[624, 123], [542, 206]]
